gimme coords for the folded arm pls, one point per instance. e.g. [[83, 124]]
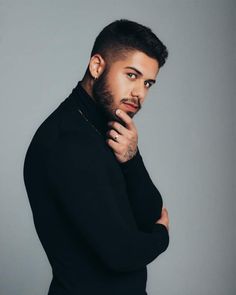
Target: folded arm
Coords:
[[77, 174], [145, 198]]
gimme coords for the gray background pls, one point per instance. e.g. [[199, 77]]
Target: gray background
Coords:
[[186, 131]]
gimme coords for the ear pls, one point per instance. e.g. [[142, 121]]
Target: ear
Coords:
[[96, 65]]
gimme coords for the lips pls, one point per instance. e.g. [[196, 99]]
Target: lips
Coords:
[[131, 106]]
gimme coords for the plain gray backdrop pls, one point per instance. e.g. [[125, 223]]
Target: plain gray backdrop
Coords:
[[186, 131]]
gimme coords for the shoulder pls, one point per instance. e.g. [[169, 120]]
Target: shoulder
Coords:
[[61, 126]]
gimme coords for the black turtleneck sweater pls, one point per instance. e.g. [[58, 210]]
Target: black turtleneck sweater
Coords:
[[95, 217]]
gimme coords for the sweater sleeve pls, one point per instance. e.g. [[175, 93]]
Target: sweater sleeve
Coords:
[[145, 198], [82, 188]]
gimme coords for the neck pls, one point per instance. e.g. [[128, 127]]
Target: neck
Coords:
[[87, 84], [93, 112]]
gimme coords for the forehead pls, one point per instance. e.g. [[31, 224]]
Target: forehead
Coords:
[[148, 66]]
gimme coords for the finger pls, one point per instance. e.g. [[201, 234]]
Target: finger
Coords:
[[114, 145], [126, 118], [164, 209], [164, 213], [116, 136], [118, 127]]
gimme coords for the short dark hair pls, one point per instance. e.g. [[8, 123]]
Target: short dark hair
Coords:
[[123, 36]]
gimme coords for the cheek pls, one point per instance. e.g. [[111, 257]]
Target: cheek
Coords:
[[120, 87]]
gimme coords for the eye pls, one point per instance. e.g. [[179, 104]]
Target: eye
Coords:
[[132, 76], [148, 84]]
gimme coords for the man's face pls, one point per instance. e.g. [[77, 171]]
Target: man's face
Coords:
[[125, 82]]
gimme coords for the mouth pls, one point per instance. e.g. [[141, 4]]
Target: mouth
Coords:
[[131, 107]]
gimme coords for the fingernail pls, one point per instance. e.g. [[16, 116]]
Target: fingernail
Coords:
[[118, 111]]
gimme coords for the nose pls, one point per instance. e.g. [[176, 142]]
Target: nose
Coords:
[[138, 92]]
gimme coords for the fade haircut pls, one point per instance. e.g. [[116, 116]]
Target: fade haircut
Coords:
[[123, 36]]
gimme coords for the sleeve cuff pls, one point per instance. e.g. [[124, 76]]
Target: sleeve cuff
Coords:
[[132, 163], [163, 233]]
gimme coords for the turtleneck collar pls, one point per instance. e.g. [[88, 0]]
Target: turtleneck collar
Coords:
[[92, 111]]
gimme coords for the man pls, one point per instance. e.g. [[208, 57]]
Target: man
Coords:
[[96, 210]]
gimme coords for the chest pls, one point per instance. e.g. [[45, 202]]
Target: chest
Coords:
[[117, 180]]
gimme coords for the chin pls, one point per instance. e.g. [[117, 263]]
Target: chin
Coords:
[[131, 114], [128, 112]]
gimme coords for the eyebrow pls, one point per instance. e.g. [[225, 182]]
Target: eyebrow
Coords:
[[141, 74]]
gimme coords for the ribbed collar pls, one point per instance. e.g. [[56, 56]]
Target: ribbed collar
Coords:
[[92, 111]]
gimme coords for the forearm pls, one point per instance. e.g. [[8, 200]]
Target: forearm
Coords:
[[145, 198]]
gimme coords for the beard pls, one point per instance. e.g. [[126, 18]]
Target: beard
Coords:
[[105, 99]]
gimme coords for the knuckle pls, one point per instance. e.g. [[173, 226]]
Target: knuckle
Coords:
[[112, 132], [129, 136], [129, 120]]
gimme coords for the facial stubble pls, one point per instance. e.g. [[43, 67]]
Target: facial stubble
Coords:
[[104, 98]]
